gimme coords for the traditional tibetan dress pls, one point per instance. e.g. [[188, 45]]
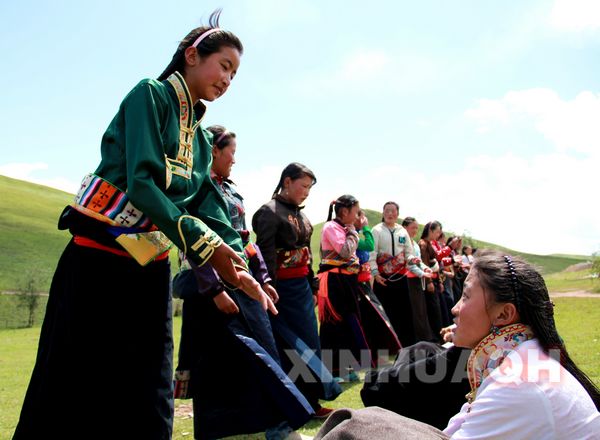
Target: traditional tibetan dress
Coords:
[[283, 234], [104, 361], [229, 363]]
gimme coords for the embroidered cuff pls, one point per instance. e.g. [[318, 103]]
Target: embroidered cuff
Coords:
[[203, 249]]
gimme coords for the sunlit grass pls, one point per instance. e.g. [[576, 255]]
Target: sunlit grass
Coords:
[[578, 321]]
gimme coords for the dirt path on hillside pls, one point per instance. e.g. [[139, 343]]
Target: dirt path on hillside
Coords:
[[574, 294]]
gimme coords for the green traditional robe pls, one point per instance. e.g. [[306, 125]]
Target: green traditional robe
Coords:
[[155, 152]]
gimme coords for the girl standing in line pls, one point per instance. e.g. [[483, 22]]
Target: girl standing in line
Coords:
[[378, 329], [227, 335], [393, 252], [417, 276], [433, 289], [283, 235], [341, 331]]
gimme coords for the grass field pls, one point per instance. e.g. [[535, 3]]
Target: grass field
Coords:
[[578, 321], [570, 281]]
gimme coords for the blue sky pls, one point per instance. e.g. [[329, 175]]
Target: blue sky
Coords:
[[481, 114]]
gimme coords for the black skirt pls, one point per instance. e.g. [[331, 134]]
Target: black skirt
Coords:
[[236, 382], [104, 361]]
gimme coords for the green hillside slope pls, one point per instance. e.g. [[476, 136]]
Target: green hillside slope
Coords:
[[29, 238]]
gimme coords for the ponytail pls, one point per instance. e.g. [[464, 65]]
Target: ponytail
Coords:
[[330, 212], [208, 45], [345, 201], [294, 171]]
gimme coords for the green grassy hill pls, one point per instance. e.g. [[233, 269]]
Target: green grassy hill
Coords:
[[31, 243]]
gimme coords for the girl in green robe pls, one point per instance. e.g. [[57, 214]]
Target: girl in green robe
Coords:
[[104, 362]]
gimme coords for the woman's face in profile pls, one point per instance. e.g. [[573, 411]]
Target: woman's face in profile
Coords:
[[471, 314], [224, 158]]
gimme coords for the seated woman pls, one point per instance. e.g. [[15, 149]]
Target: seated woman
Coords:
[[523, 382]]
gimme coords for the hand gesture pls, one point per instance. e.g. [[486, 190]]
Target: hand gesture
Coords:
[[380, 280], [222, 261], [225, 304], [270, 290], [364, 221], [447, 333], [251, 288]]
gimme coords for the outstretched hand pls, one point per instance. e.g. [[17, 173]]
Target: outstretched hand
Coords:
[[222, 261], [251, 288], [380, 280], [270, 290], [225, 304]]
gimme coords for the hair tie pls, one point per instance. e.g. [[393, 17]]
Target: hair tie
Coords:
[[221, 136], [515, 282], [333, 202], [204, 35]]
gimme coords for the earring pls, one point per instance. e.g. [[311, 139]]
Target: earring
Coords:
[[494, 330]]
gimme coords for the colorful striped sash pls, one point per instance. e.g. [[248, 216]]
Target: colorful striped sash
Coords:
[[103, 201]]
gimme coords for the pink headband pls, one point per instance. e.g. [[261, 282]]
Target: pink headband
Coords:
[[204, 35], [220, 138]]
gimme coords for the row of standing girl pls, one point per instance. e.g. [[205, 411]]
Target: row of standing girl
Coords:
[[414, 284]]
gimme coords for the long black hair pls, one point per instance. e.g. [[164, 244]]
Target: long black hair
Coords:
[[431, 226], [210, 44], [510, 279], [345, 201], [294, 171]]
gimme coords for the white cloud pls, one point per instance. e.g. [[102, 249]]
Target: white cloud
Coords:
[[269, 15], [569, 125], [539, 205], [26, 171], [542, 205], [371, 72], [575, 15], [21, 170]]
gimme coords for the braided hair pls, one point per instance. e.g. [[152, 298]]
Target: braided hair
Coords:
[[510, 279]]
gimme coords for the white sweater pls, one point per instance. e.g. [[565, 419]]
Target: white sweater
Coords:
[[533, 399], [394, 242]]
